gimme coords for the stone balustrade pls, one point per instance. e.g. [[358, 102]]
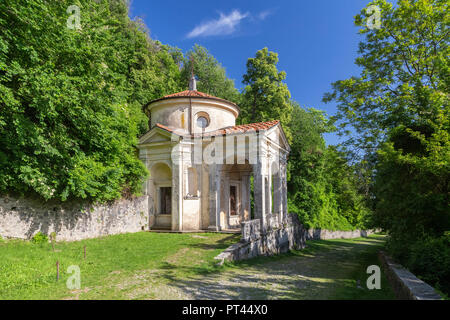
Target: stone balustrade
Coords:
[[279, 236]]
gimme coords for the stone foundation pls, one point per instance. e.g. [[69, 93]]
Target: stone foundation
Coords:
[[280, 236], [22, 218]]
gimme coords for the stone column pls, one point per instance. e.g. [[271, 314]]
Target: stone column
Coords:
[[148, 187], [258, 190], [177, 188], [268, 185], [283, 187], [246, 194], [214, 197], [259, 174], [225, 202], [277, 189]]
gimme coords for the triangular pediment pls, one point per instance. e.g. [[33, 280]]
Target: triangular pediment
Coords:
[[156, 135], [277, 135]]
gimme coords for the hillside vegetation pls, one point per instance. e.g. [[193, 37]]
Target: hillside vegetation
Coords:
[[71, 108], [71, 114]]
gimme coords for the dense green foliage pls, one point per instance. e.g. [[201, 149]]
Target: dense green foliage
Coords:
[[265, 97], [210, 74], [70, 108], [322, 186], [430, 258], [39, 238], [399, 110], [70, 113], [70, 117], [70, 100]]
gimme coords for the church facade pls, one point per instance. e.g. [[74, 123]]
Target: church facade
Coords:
[[205, 170]]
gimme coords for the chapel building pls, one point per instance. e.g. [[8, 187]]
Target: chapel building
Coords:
[[205, 171]]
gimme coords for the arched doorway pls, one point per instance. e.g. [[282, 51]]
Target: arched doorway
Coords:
[[160, 190]]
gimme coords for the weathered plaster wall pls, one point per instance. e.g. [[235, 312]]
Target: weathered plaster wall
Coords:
[[174, 113], [219, 117], [191, 213], [22, 218]]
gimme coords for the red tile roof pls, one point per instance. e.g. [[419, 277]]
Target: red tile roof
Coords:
[[243, 128], [164, 127], [191, 94]]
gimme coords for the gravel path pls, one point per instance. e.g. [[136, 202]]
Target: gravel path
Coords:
[[301, 275]]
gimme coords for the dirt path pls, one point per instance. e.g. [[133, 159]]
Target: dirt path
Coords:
[[325, 270]]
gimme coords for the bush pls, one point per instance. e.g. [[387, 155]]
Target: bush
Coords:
[[39, 238], [70, 100], [429, 259]]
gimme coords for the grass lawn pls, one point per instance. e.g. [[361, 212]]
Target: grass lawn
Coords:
[[181, 266], [28, 271]]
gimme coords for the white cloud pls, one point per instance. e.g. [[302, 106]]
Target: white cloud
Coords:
[[264, 14], [225, 25]]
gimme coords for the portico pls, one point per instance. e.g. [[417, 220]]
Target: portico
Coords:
[[206, 171]]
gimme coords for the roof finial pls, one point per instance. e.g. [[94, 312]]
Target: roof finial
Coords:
[[192, 81]]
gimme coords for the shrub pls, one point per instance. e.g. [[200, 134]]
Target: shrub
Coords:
[[39, 238], [70, 100], [429, 259]]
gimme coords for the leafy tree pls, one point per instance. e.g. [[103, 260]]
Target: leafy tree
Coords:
[[265, 97], [306, 163], [344, 183], [211, 75], [323, 188], [399, 110], [404, 76], [70, 99]]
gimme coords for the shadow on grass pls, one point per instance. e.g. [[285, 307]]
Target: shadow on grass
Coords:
[[325, 269], [222, 243]]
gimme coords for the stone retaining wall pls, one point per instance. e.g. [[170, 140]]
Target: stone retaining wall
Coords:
[[22, 218], [322, 234], [289, 235], [280, 237], [406, 285]]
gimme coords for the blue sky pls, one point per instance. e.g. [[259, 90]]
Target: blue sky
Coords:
[[316, 41]]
